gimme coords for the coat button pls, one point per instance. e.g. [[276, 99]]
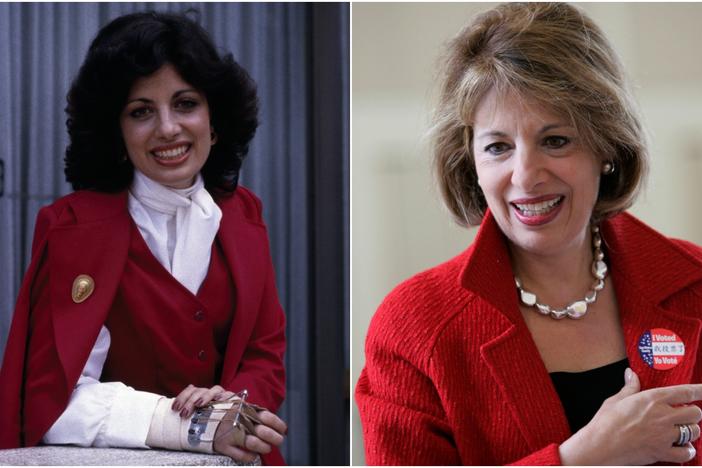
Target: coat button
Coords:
[[199, 316], [201, 355]]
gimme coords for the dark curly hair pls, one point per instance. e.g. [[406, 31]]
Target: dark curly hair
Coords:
[[137, 45]]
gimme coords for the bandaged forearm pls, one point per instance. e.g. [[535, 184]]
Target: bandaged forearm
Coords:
[[195, 434]]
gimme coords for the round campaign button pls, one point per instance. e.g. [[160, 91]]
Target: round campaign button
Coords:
[[661, 348]]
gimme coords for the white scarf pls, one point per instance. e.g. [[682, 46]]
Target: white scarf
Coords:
[[178, 225]]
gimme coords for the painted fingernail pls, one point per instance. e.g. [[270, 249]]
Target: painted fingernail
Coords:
[[198, 402], [628, 374], [217, 396], [693, 452], [184, 413], [175, 406]]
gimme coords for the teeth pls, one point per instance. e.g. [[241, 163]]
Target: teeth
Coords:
[[537, 209], [171, 153]]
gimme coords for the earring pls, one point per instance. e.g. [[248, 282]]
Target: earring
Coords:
[[608, 168]]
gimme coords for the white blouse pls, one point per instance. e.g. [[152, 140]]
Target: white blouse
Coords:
[[179, 227]]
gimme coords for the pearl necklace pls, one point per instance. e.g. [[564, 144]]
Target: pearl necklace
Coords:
[[577, 309]]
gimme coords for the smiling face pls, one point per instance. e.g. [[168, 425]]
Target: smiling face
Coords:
[[166, 128], [539, 180]]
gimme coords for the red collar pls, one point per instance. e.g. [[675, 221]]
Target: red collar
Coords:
[[647, 261], [647, 269], [90, 206]]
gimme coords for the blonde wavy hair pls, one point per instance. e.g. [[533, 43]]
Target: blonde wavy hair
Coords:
[[555, 54]]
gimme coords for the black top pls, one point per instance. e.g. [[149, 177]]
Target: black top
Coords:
[[582, 393]]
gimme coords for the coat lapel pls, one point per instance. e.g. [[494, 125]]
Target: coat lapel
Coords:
[[640, 258], [244, 243], [525, 385], [644, 278], [639, 316], [96, 245], [512, 357]]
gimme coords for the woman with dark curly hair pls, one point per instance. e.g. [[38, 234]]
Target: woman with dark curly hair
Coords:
[[149, 316]]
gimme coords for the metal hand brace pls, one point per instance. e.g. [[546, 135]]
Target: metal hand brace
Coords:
[[235, 411]]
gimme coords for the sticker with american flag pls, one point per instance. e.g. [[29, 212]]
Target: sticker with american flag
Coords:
[[661, 349]]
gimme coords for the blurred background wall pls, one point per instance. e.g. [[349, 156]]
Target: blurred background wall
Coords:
[[399, 224]]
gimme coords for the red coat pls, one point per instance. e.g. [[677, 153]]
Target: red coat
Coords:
[[89, 232], [453, 376]]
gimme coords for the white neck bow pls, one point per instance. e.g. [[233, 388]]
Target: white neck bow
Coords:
[[178, 225]]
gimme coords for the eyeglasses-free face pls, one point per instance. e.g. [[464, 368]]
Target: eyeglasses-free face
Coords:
[[166, 128], [539, 180]]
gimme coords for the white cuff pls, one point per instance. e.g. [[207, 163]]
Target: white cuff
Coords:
[[129, 419], [104, 415]]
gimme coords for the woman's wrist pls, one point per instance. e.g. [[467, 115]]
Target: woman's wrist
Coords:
[[575, 451], [171, 431], [566, 452]]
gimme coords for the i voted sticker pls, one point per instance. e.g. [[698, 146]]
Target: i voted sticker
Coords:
[[661, 349]]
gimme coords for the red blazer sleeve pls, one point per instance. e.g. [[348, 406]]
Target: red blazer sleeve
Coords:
[[12, 372], [404, 422], [261, 370]]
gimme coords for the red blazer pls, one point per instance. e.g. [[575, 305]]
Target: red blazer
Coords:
[[89, 232], [453, 376]]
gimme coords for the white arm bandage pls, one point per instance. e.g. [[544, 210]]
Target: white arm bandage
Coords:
[[195, 434]]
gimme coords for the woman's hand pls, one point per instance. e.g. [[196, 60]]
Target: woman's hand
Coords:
[[269, 433], [637, 428], [266, 435], [194, 397]]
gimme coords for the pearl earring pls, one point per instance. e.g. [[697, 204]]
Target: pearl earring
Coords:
[[608, 168]]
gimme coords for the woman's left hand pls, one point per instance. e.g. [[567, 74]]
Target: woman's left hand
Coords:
[[193, 397], [266, 435], [270, 433]]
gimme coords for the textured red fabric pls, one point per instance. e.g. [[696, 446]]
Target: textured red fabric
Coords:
[[453, 376], [89, 233]]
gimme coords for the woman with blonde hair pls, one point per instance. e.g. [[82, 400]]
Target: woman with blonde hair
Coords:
[[568, 332]]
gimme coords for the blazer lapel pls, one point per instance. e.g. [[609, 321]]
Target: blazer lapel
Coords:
[[526, 386], [640, 316], [97, 248], [244, 243], [512, 357], [644, 278], [640, 257]]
